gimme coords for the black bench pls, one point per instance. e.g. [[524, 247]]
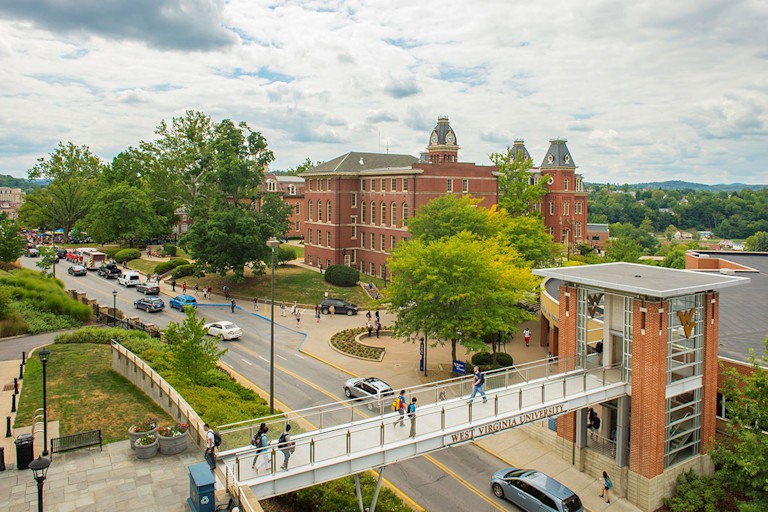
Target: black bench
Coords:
[[76, 441]]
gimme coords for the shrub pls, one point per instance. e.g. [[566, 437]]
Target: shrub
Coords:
[[285, 253], [44, 294], [127, 255], [135, 341], [169, 249], [342, 275], [182, 270], [482, 359], [6, 306], [12, 327], [696, 493], [167, 266], [38, 321], [504, 359]]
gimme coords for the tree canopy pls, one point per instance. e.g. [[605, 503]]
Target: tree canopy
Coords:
[[517, 195], [193, 352], [12, 246]]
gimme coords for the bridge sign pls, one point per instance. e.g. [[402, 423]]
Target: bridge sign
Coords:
[[499, 425]]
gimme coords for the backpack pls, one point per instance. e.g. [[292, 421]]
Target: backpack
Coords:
[[608, 483], [284, 444], [411, 408], [216, 439], [396, 404], [481, 379]]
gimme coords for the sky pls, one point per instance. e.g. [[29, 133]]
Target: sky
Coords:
[[643, 90]]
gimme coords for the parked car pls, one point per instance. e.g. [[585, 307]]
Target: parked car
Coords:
[[339, 307], [77, 270], [148, 288], [370, 388], [223, 330], [533, 491], [110, 271], [181, 301], [149, 304], [33, 253], [61, 252]]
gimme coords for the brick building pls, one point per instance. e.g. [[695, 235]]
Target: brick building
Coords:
[[11, 200], [291, 188], [358, 204]]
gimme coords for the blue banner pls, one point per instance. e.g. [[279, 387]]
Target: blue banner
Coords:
[[421, 361], [459, 367]]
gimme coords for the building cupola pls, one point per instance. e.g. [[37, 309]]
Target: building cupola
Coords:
[[443, 146]]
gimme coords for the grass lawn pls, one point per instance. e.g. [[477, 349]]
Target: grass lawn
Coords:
[[146, 266], [84, 393], [291, 284]]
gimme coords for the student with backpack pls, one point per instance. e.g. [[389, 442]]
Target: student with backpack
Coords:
[[286, 446], [399, 406], [213, 441], [260, 441], [607, 486], [412, 416]]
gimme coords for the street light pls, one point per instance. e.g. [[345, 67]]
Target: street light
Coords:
[[53, 234], [44, 355], [39, 468], [114, 307], [272, 243]]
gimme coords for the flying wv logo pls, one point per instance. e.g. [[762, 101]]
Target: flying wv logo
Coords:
[[593, 301], [686, 319]]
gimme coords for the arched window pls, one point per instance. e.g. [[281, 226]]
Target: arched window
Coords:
[[373, 212], [405, 214], [296, 211], [394, 215], [362, 212], [320, 211], [328, 218], [309, 212], [383, 214]]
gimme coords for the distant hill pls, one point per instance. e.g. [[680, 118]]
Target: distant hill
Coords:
[[7, 180], [680, 185]]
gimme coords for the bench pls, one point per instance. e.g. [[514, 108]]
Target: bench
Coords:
[[76, 441]]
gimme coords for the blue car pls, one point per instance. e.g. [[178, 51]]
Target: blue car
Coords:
[[181, 301]]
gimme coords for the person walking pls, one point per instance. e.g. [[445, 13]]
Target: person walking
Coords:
[[232, 305], [282, 309], [255, 303], [412, 416], [332, 310], [607, 486], [286, 446], [527, 336], [321, 268], [317, 313], [210, 447], [293, 308], [478, 379], [205, 292], [378, 328], [369, 325], [376, 313], [197, 287], [173, 285], [184, 287], [260, 441], [594, 425], [401, 408], [226, 293], [368, 315]]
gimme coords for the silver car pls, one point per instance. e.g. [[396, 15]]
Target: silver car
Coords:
[[369, 389], [533, 491]]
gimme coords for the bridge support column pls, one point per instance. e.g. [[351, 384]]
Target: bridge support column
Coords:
[[622, 431], [581, 428], [375, 492]]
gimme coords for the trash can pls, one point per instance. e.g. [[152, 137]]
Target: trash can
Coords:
[[201, 488], [25, 450]]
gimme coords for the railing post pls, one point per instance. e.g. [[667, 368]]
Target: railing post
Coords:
[[603, 376], [312, 451], [442, 418], [520, 397], [273, 461], [349, 441], [506, 379], [496, 405], [543, 393], [237, 467], [382, 434], [565, 383], [470, 411], [584, 382]]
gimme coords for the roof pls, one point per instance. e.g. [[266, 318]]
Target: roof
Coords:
[[441, 131], [519, 147], [558, 155], [633, 278], [356, 162]]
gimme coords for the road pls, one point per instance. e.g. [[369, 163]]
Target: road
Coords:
[[451, 479]]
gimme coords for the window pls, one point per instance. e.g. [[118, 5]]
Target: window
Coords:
[[184, 227], [373, 268], [354, 228], [309, 205], [362, 212], [551, 231], [297, 226], [309, 233], [319, 185], [362, 240], [373, 241], [310, 260], [310, 185], [354, 256], [320, 211], [383, 214], [329, 184], [566, 208], [373, 212], [393, 213], [383, 185], [530, 180], [354, 200], [405, 184], [565, 184], [328, 219], [577, 207], [319, 238], [464, 186], [393, 184], [450, 186], [383, 271], [327, 263], [328, 238], [551, 207], [292, 190], [297, 208], [271, 186], [392, 242], [405, 214], [362, 184], [373, 185], [721, 411], [383, 243], [578, 229]]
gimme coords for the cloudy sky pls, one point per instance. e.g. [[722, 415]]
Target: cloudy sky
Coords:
[[642, 90]]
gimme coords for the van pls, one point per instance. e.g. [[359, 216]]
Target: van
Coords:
[[129, 279], [534, 491]]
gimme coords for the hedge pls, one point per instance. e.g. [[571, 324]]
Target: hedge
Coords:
[[169, 249], [167, 266], [182, 270], [112, 252], [44, 294], [127, 255], [342, 275], [485, 359]]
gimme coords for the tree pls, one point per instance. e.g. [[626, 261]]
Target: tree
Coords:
[[121, 212], [47, 257], [193, 352], [303, 166], [742, 456], [530, 238], [517, 194], [757, 242], [12, 246], [458, 288], [623, 249]]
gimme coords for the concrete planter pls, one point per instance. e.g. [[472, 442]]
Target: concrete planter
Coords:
[[173, 445], [134, 436], [147, 452]]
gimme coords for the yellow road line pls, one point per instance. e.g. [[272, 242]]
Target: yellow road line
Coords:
[[465, 483], [330, 364], [261, 391]]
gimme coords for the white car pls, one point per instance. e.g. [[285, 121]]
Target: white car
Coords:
[[223, 330]]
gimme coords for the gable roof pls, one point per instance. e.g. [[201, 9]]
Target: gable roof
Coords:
[[356, 162]]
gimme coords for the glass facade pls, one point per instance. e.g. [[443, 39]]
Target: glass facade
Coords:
[[683, 432], [686, 335], [627, 341]]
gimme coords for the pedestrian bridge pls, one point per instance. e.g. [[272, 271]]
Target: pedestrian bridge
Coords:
[[348, 437]]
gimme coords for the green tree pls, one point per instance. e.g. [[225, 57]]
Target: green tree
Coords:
[[458, 288], [742, 456], [193, 352], [12, 246], [449, 215], [120, 212], [757, 242], [530, 238], [303, 166], [517, 194], [623, 249], [46, 259]]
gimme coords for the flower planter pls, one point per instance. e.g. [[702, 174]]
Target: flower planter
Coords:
[[134, 436], [171, 445], [147, 452]]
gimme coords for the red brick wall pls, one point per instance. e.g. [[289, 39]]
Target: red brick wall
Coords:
[[566, 424], [557, 194], [710, 370]]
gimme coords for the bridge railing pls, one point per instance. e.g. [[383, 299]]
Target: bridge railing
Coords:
[[330, 415], [448, 416]]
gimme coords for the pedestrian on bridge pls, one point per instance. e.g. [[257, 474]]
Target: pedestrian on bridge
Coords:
[[260, 441], [286, 446], [412, 416], [478, 379], [400, 404]]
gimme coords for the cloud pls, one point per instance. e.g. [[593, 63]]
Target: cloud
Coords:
[[379, 116], [402, 88], [187, 25]]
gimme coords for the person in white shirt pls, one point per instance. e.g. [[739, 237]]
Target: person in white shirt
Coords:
[[210, 455]]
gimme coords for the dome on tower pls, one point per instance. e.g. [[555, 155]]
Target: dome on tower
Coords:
[[558, 155], [443, 146]]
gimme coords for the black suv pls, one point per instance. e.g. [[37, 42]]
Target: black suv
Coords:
[[110, 271], [339, 306]]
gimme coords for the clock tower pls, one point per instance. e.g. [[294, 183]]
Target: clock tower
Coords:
[[443, 146]]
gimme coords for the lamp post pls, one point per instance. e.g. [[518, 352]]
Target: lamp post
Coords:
[[114, 307], [39, 468], [44, 355], [53, 235], [272, 243]]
